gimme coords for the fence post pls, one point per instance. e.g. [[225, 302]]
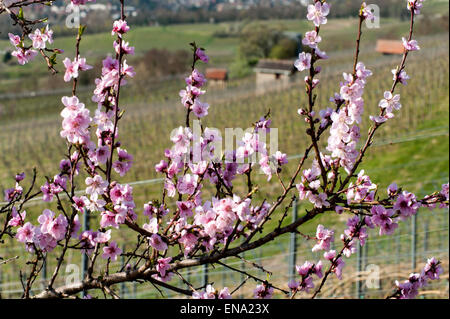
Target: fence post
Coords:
[[293, 244], [413, 241], [425, 239], [44, 272], [122, 285], [359, 259], [85, 259], [242, 275], [365, 264], [205, 275]]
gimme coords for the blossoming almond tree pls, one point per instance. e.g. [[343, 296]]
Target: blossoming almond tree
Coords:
[[183, 228]]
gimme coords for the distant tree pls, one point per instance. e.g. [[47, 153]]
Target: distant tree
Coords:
[[257, 41], [285, 49], [7, 57]]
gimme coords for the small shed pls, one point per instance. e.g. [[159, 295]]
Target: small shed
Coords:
[[274, 72], [217, 77], [390, 47]]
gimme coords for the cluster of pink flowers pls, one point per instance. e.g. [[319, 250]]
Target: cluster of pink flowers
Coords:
[[309, 187], [345, 132], [253, 145], [324, 238], [122, 199], [162, 266], [13, 193], [211, 293], [90, 239], [355, 230], [306, 272], [263, 291], [49, 189], [362, 191], [409, 289], [46, 236], [111, 251], [76, 121], [195, 82], [73, 67], [384, 219]]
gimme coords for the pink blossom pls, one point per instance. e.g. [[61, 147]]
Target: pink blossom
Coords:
[[71, 69], [196, 79], [366, 12], [187, 184], [320, 55], [101, 237], [15, 39], [324, 238], [263, 291], [200, 109], [330, 255], [185, 208], [280, 158], [126, 49], [38, 39], [224, 294], [161, 166], [111, 251], [392, 189], [303, 62], [390, 102], [82, 65], [318, 12], [75, 227], [320, 200], [120, 27], [96, 186], [406, 204], [411, 45], [415, 5], [432, 269], [44, 241], [293, 285], [170, 188], [45, 219], [337, 269], [102, 154], [152, 226], [16, 218], [163, 265], [25, 233], [24, 57], [49, 33], [20, 177], [157, 243], [311, 39], [402, 76], [201, 55], [58, 227]]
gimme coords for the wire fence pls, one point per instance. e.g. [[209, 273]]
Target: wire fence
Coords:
[[370, 273]]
